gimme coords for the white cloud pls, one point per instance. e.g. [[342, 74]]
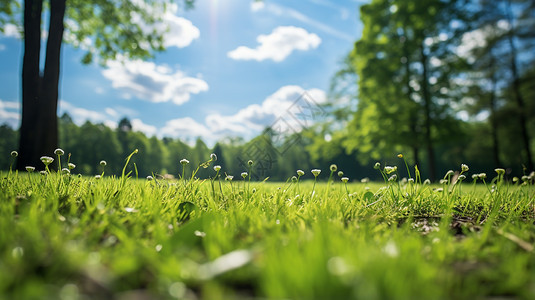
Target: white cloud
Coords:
[[276, 46], [155, 83], [289, 104], [81, 115], [177, 31], [10, 113], [11, 30], [138, 125], [2, 47], [257, 5]]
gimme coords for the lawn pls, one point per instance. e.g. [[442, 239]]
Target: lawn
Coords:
[[64, 236]]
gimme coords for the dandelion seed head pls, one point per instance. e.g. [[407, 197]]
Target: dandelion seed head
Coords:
[[59, 152]]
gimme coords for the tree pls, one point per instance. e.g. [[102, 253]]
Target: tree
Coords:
[[406, 66], [106, 24]]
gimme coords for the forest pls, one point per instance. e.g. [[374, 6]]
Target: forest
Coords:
[[444, 83]]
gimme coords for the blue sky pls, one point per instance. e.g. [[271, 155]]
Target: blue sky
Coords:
[[231, 67]]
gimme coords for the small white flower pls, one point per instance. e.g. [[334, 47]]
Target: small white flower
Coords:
[[389, 170], [42, 172], [393, 177], [250, 162], [443, 181], [449, 173], [65, 171], [244, 174], [47, 160], [482, 175], [410, 180], [345, 179], [333, 168], [500, 171], [427, 181], [461, 177], [71, 166], [103, 163], [300, 173], [59, 152], [149, 178], [217, 168], [14, 154], [475, 176], [213, 157], [229, 177], [464, 168], [294, 179], [30, 169], [340, 173], [184, 161], [97, 176], [377, 166], [316, 172]]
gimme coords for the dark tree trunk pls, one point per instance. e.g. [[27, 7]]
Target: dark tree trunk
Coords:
[[31, 82], [427, 118], [39, 126]]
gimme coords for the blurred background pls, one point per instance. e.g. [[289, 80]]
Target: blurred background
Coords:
[[290, 85]]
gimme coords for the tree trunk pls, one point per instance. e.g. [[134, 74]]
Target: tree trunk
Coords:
[[427, 118], [492, 118], [31, 83], [39, 126]]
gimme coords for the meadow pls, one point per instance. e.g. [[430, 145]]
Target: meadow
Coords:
[[64, 236]]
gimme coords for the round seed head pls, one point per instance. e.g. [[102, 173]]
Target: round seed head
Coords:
[[294, 179], [213, 157], [377, 166], [30, 169], [250, 162], [300, 173], [47, 160], [14, 154], [103, 163], [340, 173], [333, 168], [59, 152]]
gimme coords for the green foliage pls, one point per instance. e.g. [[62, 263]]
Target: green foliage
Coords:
[[86, 237]]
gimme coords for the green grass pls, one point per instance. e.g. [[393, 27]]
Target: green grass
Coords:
[[69, 237]]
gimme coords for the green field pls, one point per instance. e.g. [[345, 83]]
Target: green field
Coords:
[[64, 236]]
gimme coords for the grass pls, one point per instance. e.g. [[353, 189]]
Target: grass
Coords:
[[64, 236]]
